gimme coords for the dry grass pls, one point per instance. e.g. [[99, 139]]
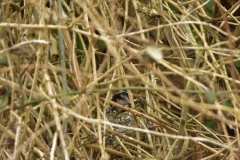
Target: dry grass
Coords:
[[60, 68]]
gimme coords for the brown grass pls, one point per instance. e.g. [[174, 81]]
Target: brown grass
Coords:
[[60, 67]]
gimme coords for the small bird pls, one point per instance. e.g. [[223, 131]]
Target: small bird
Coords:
[[121, 98], [22, 52]]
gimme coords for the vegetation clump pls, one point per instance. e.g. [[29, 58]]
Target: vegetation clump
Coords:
[[121, 79]]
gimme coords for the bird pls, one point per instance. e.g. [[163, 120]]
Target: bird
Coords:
[[120, 98]]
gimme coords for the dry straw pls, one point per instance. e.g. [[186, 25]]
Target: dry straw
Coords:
[[71, 57]]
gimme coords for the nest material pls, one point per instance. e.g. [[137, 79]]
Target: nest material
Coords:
[[52, 102]]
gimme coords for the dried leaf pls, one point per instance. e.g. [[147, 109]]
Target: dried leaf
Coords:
[[154, 53]]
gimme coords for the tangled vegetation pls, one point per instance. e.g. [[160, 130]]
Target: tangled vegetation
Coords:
[[62, 61]]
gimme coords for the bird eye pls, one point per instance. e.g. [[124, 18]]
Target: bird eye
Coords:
[[121, 98]]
